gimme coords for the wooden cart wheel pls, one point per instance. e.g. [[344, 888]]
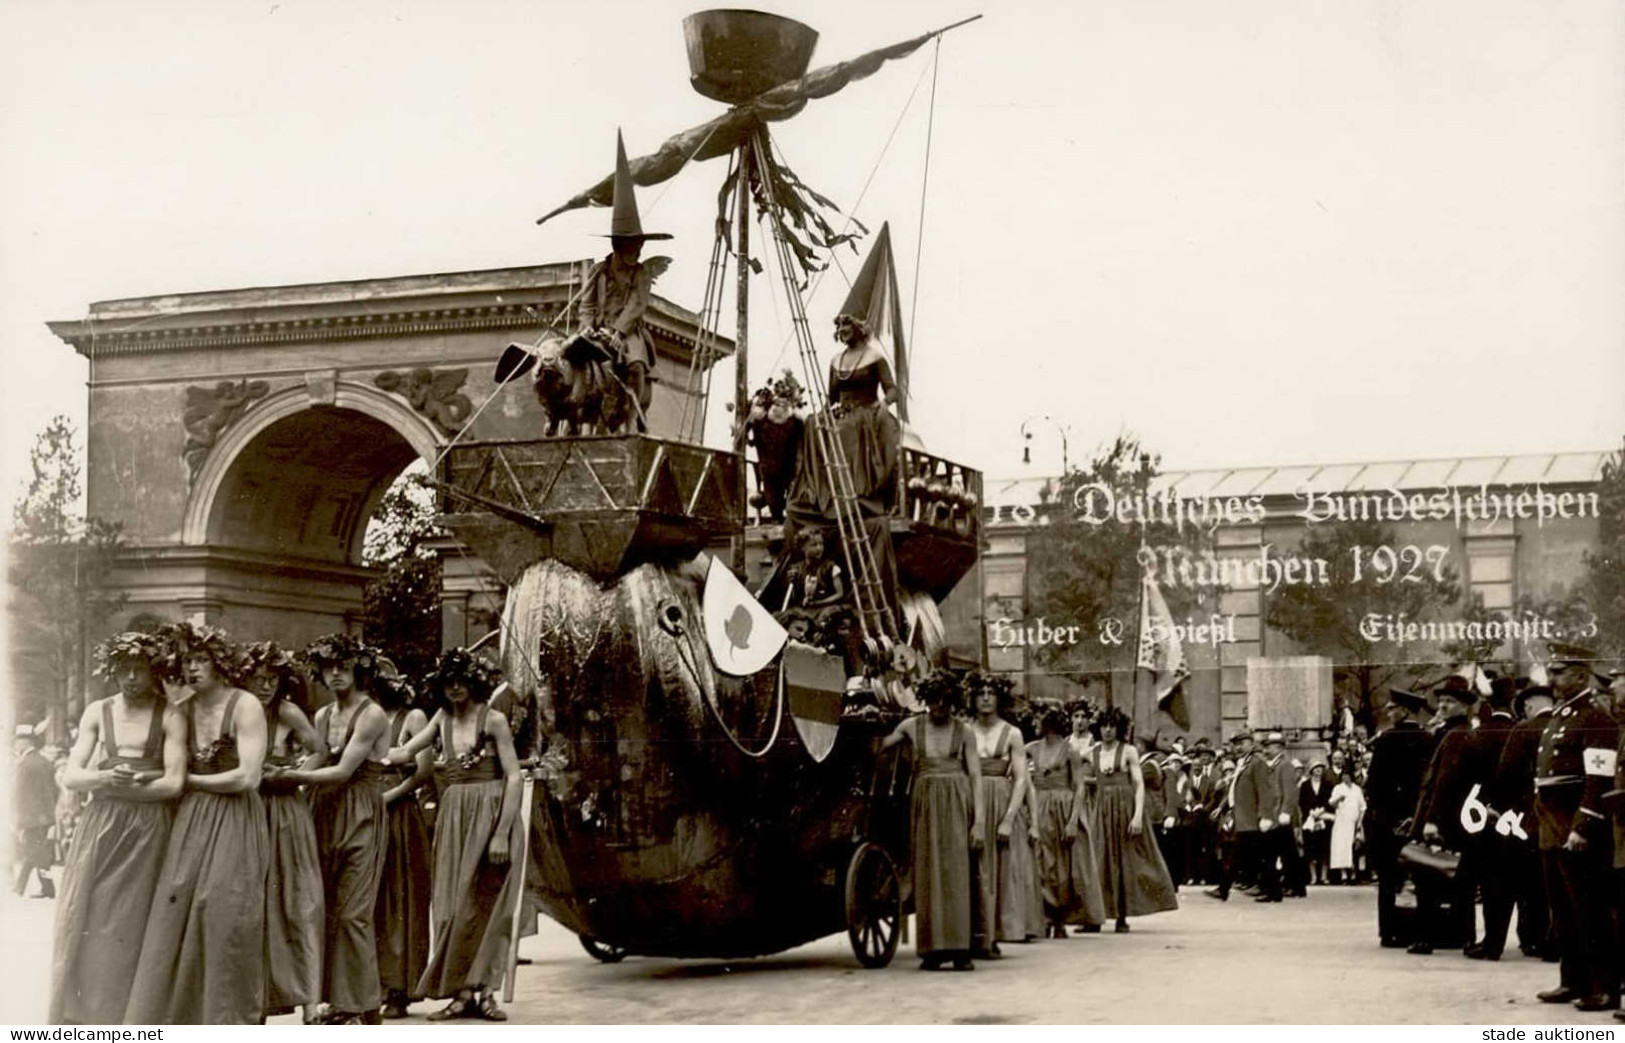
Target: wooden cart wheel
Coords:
[[874, 905], [601, 952]]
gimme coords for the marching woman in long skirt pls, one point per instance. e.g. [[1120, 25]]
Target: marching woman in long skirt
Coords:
[[1006, 867], [478, 777], [118, 849], [403, 896], [348, 803], [294, 904], [946, 815], [1133, 875], [203, 957], [1068, 870]]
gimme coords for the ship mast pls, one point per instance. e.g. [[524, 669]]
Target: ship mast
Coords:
[[742, 351]]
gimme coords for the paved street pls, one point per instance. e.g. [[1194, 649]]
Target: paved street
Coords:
[[1308, 961]]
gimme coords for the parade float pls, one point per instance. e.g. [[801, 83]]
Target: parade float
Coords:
[[713, 788]]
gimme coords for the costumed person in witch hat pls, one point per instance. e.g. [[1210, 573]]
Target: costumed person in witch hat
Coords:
[[112, 868], [294, 897], [351, 828], [480, 786], [203, 956], [1574, 768], [618, 291]]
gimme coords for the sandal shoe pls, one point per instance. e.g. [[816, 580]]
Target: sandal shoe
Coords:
[[457, 1008], [486, 1009]]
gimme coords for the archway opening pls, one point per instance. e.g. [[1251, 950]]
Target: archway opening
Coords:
[[307, 485]]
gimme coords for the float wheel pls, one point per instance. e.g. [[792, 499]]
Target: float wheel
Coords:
[[874, 905]]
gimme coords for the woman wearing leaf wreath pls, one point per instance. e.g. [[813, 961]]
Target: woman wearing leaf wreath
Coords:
[[1068, 869], [403, 895], [1007, 873], [294, 902], [945, 818], [112, 868], [478, 776], [1134, 877], [203, 956], [347, 778]]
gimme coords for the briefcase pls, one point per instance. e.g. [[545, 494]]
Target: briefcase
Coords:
[[1429, 858]]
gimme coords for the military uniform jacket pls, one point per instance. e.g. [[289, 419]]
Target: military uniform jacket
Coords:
[[1574, 767], [1399, 756], [1449, 777]]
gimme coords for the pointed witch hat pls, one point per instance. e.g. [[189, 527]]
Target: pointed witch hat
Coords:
[[874, 292], [623, 221]]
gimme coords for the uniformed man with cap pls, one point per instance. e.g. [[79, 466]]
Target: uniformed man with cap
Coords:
[[1574, 768], [1399, 756], [619, 288], [1445, 785], [1515, 878]]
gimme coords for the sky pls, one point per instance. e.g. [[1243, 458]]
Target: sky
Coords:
[[1256, 232]]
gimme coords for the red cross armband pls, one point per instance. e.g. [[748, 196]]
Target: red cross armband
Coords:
[[1601, 761]]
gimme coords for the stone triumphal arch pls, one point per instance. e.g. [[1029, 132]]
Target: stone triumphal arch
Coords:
[[245, 437]]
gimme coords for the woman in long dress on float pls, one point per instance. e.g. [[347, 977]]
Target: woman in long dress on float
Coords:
[[118, 850], [294, 904], [203, 956], [945, 819], [1348, 809], [1068, 870], [403, 896], [1134, 878], [1007, 873], [478, 777]]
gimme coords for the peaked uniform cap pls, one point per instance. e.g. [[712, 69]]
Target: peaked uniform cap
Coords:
[[623, 221], [1407, 698]]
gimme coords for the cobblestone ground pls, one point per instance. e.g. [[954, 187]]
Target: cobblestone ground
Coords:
[[1309, 961]]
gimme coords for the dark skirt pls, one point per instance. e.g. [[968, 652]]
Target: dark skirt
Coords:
[[1068, 869], [941, 815], [403, 899], [1005, 868], [203, 955], [350, 834], [473, 900], [294, 906], [1133, 875], [101, 915], [869, 437]]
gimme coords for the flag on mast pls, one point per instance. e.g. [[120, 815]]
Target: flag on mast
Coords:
[[1161, 652], [874, 299]]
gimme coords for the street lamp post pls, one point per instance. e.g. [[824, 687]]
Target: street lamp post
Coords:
[[1027, 450]]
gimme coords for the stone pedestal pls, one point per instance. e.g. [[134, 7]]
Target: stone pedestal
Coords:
[[1289, 693]]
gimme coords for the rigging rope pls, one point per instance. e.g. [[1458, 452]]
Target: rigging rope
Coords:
[[925, 180]]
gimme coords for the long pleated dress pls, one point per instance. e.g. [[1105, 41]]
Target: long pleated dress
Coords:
[[111, 871], [1006, 872], [473, 900], [1068, 869], [203, 958], [350, 836], [294, 902], [403, 896], [1133, 876], [940, 819]]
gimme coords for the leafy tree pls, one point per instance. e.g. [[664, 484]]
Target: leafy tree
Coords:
[[1085, 575], [1326, 618], [60, 569], [401, 608]]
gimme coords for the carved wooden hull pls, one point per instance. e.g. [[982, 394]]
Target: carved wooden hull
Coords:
[[656, 834], [600, 504]]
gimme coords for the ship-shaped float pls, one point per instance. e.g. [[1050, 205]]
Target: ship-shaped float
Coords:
[[714, 788]]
